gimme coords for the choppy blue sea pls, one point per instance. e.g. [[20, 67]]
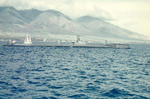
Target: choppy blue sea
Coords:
[[77, 73]]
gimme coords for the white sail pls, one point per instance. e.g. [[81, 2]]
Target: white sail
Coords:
[[27, 40]]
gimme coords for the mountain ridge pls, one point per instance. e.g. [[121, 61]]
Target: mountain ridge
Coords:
[[45, 23], [105, 27]]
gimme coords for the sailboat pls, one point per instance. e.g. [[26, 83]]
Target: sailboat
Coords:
[[27, 40]]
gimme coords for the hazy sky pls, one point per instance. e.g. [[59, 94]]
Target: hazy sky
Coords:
[[130, 14]]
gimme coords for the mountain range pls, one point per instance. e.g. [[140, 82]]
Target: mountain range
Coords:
[[56, 25]]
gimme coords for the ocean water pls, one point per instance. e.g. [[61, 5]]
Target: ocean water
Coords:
[[74, 73]]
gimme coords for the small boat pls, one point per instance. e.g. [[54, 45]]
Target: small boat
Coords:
[[27, 40]]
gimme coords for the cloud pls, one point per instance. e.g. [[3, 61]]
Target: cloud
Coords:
[[73, 8], [19, 4]]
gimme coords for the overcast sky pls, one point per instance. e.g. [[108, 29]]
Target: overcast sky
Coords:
[[130, 14]]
